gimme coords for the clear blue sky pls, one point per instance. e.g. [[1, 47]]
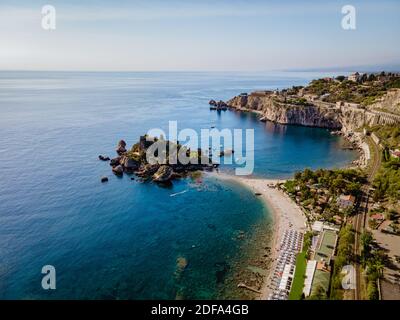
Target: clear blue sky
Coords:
[[197, 35]]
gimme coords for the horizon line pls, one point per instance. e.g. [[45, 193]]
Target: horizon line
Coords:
[[392, 67], [333, 70]]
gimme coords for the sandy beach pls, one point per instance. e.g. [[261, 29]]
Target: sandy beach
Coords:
[[286, 214]]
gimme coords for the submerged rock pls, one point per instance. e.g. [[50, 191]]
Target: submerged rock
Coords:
[[222, 270], [104, 179], [181, 263]]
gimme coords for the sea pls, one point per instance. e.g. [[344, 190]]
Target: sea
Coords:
[[129, 239]]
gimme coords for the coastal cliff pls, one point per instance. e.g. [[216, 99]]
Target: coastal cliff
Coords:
[[345, 116], [273, 110]]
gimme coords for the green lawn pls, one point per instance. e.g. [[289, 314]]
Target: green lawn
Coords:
[[321, 279], [298, 282], [325, 251]]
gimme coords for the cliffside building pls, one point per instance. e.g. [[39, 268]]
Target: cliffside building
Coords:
[[356, 77]]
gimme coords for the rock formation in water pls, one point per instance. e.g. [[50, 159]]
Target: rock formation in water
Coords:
[[135, 161]]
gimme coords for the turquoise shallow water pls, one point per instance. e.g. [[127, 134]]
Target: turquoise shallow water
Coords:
[[121, 240]]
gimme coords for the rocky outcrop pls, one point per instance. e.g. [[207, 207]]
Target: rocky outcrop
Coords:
[[115, 161], [121, 147], [135, 161], [129, 164], [220, 105], [118, 170], [104, 158], [163, 174], [147, 170]]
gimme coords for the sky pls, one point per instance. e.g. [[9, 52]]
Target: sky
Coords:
[[202, 35]]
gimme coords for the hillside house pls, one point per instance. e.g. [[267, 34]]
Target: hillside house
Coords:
[[346, 201]]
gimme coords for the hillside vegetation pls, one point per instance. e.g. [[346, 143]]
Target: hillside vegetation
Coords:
[[365, 91]]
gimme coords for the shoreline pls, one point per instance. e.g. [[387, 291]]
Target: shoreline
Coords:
[[285, 215]]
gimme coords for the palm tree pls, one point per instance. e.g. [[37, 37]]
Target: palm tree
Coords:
[[379, 267]]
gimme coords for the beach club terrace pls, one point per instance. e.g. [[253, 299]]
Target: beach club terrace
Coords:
[[282, 278]]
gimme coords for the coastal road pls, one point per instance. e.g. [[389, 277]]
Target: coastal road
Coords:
[[360, 218]]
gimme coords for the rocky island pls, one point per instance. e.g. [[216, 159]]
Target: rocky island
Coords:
[[136, 160]]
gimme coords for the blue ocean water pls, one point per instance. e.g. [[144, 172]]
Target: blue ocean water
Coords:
[[125, 239]]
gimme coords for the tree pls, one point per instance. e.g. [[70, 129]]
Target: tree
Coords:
[[379, 267], [297, 175], [386, 154], [372, 291], [319, 294], [340, 78], [363, 78], [353, 188], [366, 238], [308, 174]]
